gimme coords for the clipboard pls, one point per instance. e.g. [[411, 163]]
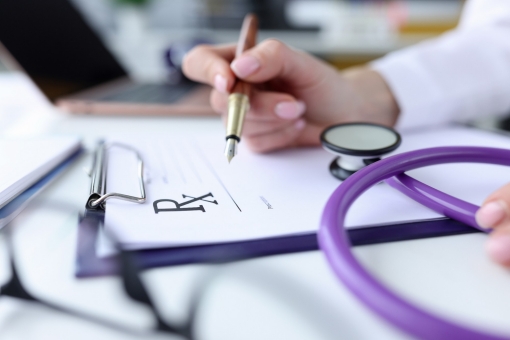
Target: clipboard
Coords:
[[89, 264]]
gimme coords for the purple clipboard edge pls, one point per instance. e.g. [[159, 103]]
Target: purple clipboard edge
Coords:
[[90, 265]]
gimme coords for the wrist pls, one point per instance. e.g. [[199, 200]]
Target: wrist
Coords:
[[375, 101]]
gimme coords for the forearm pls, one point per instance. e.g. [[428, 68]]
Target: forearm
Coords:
[[375, 101]]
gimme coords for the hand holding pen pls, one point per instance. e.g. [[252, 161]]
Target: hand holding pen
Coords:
[[294, 95]]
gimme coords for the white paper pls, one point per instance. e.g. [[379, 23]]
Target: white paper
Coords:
[[281, 193]]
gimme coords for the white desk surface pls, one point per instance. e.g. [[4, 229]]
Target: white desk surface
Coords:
[[279, 297]]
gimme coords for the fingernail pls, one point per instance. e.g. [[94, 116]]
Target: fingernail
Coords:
[[245, 65], [290, 110], [490, 214], [498, 248], [220, 83], [300, 124]]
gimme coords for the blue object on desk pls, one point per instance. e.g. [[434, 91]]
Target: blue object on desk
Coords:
[[13, 208], [90, 265]]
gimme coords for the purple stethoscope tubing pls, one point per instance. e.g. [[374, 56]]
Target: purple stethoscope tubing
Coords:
[[335, 244], [436, 200]]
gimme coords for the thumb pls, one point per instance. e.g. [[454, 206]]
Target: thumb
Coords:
[[495, 213], [495, 210]]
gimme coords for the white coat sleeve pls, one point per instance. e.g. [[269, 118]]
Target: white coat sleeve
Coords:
[[459, 76]]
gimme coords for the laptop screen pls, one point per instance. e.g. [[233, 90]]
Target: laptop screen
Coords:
[[51, 41]]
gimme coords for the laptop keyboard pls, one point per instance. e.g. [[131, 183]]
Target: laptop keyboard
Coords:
[[150, 93]]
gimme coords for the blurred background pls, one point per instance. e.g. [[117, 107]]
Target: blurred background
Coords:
[[149, 35]]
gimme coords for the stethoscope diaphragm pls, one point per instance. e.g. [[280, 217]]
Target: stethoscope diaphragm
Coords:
[[357, 145]]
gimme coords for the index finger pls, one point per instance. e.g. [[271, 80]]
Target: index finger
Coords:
[[211, 65]]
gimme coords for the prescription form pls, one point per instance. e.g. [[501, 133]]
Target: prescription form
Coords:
[[194, 196]]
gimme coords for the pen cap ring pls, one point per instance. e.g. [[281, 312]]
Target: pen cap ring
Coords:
[[357, 145]]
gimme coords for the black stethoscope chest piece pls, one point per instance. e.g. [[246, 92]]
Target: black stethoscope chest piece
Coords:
[[357, 145]]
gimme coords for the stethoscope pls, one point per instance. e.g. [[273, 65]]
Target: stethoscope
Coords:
[[353, 143]]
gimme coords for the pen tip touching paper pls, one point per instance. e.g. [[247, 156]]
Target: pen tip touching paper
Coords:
[[231, 149]]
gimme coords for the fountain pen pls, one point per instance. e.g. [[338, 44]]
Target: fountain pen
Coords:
[[239, 98]]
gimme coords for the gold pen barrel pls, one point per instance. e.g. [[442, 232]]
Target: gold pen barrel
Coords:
[[238, 105], [238, 101]]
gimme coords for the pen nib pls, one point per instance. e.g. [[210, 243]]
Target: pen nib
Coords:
[[231, 149]]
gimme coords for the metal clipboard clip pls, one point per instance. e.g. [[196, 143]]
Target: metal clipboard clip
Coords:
[[98, 195]]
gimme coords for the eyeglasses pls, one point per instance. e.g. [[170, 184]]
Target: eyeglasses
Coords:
[[133, 286]]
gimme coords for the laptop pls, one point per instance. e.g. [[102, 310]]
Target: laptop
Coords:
[[66, 59]]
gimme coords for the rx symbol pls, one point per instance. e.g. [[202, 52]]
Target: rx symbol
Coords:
[[179, 206]]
